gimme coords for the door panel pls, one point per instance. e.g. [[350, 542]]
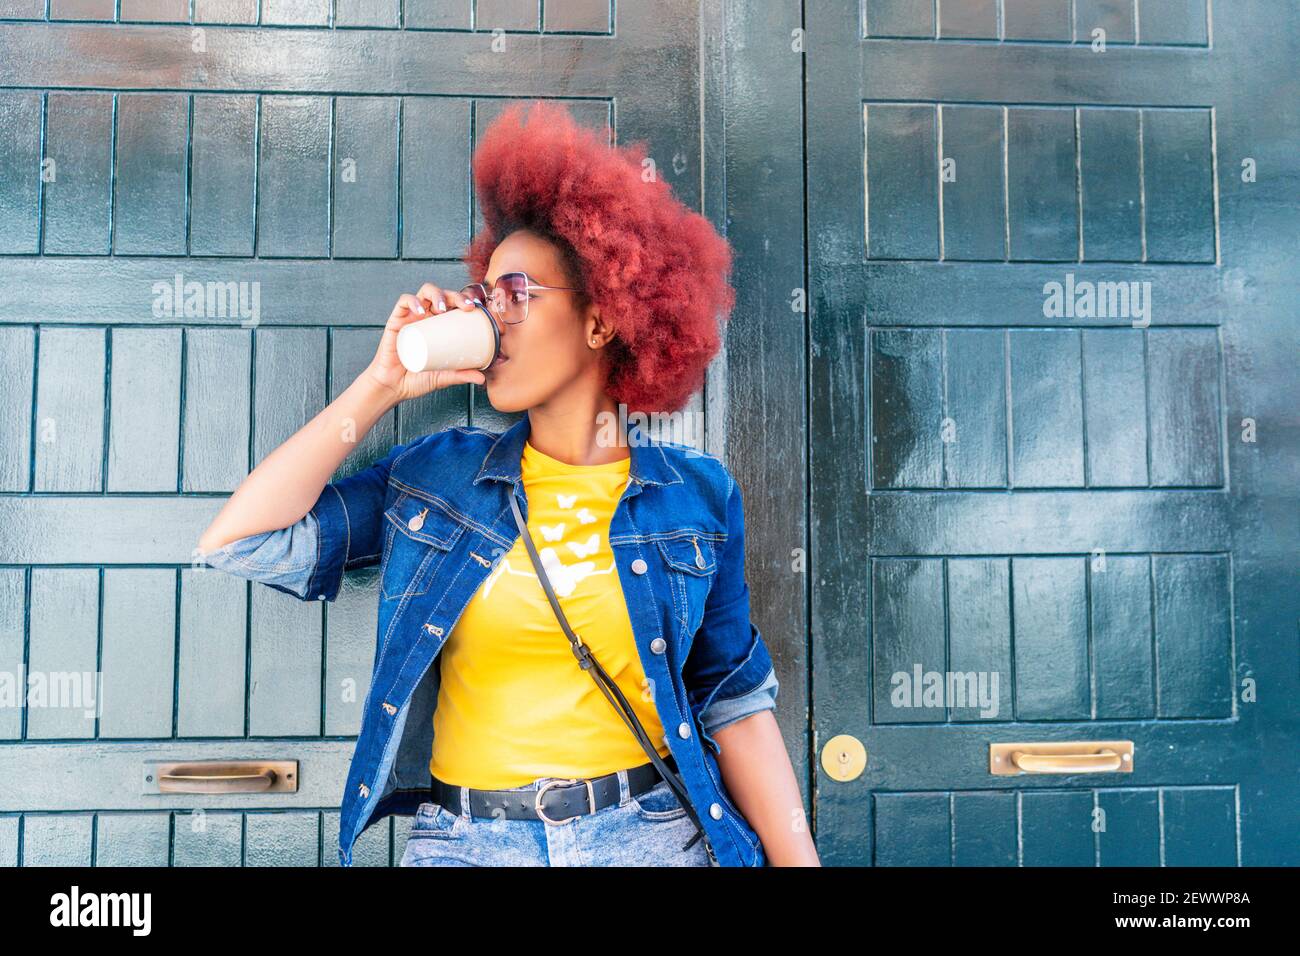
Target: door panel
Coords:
[[1045, 300]]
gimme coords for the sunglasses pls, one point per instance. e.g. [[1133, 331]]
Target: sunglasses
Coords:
[[509, 296]]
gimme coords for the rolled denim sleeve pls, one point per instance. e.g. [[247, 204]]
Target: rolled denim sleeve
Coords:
[[283, 559], [720, 713], [342, 531], [729, 673]]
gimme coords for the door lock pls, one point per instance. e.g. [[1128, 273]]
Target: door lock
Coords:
[[844, 757]]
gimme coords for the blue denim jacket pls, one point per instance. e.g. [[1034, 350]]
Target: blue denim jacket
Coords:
[[678, 538]]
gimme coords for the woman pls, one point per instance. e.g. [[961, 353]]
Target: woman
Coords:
[[605, 291]]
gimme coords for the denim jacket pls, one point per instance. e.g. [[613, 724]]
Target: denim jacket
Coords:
[[433, 513]]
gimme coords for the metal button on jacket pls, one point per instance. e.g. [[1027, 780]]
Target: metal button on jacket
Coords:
[[658, 645], [683, 730], [638, 566], [715, 811]]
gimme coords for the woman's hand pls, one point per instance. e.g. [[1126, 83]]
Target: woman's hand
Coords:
[[388, 370]]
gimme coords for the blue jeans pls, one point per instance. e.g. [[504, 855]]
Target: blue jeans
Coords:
[[648, 829]]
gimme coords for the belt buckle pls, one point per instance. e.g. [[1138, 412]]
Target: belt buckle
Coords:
[[537, 800]]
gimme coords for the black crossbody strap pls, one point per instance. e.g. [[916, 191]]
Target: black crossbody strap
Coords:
[[607, 686]]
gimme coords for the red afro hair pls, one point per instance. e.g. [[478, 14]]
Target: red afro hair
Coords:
[[658, 270]]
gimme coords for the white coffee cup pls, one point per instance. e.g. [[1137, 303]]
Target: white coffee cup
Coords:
[[454, 339]]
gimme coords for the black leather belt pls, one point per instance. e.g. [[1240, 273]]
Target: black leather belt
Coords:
[[555, 801]]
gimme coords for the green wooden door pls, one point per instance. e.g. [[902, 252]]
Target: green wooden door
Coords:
[[1052, 392], [206, 213]]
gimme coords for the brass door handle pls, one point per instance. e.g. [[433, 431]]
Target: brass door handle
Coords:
[[1107, 761], [1068, 756], [221, 776], [216, 782]]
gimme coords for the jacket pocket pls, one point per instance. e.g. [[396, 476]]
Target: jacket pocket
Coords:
[[691, 564], [418, 536], [689, 552]]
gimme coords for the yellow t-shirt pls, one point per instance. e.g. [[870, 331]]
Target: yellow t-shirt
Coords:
[[514, 704]]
